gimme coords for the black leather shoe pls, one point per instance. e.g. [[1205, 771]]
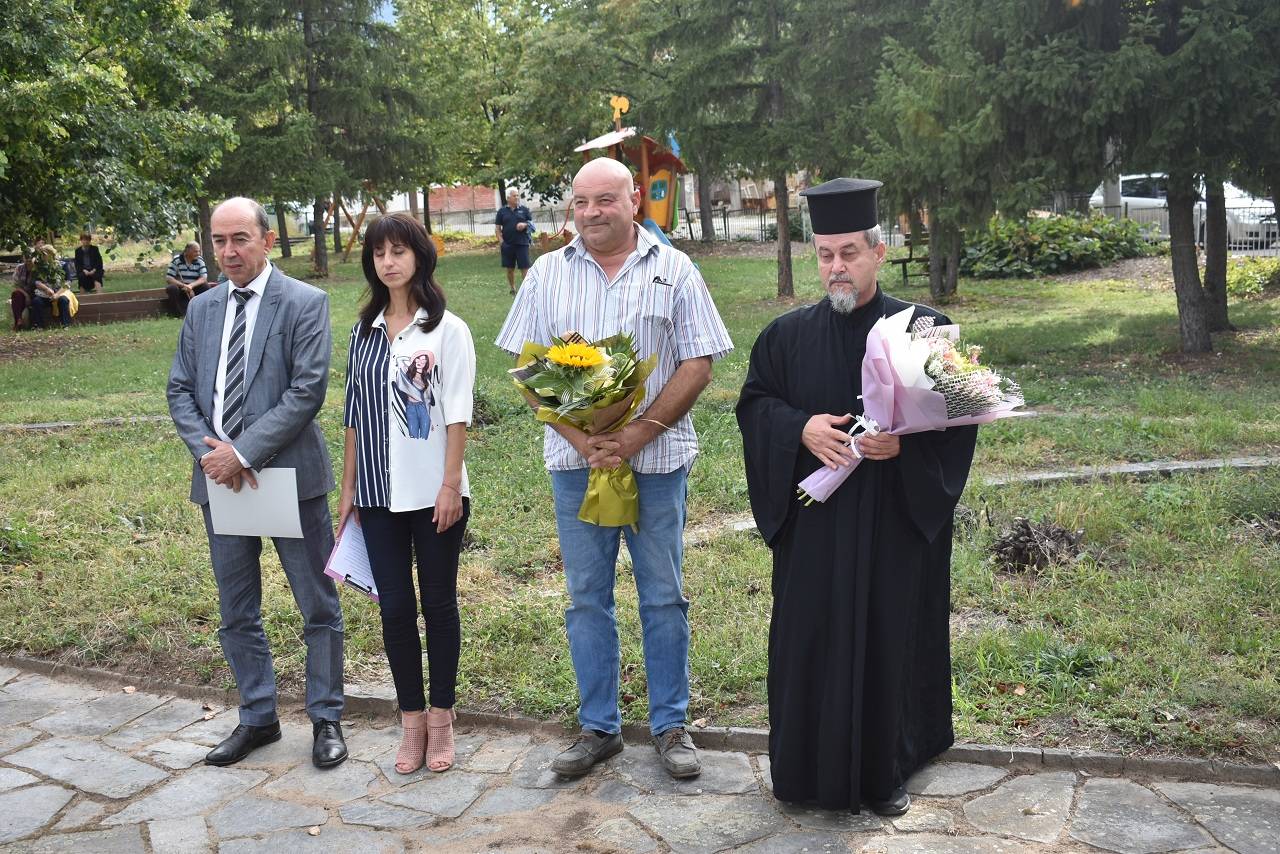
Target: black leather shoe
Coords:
[[897, 804], [329, 749], [244, 739]]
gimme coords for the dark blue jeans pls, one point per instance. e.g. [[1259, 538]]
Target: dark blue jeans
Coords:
[[42, 308]]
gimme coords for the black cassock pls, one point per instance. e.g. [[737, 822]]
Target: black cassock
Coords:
[[859, 655]]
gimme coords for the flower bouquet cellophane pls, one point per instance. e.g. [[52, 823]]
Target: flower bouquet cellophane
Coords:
[[596, 387]]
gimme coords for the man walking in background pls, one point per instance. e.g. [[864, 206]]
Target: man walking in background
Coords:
[[515, 229]]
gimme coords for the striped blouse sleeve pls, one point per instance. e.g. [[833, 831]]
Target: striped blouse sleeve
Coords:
[[351, 403]]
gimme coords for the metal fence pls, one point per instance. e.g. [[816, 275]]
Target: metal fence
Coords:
[[746, 225], [1250, 231]]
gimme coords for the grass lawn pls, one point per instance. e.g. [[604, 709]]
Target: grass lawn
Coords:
[[1164, 636]]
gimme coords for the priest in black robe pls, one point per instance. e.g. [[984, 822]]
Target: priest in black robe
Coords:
[[859, 656]]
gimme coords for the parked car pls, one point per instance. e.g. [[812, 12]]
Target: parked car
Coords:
[[1251, 222]]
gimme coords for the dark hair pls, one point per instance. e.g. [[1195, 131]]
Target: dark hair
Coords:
[[402, 229], [87, 236]]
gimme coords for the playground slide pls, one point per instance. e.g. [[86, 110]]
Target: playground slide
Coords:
[[656, 231]]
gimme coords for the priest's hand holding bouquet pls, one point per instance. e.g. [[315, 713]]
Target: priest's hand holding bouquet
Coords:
[[917, 379], [595, 387]]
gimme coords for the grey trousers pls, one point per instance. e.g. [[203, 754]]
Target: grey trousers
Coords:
[[238, 572]]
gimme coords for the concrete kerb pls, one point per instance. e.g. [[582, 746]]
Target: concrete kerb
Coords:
[[379, 704], [48, 426]]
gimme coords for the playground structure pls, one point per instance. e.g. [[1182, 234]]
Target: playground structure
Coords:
[[659, 170]]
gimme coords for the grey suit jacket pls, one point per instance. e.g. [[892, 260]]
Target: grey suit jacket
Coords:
[[285, 381]]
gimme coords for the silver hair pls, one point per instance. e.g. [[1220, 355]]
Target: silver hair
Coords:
[[259, 212], [512, 191], [874, 236], [192, 245]]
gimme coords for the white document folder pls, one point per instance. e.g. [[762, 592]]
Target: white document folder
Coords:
[[271, 510], [349, 562]]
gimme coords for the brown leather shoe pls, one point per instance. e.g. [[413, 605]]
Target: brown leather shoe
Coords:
[[588, 749], [679, 756]]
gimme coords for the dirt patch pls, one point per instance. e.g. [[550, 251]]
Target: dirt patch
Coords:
[[25, 345], [1154, 273]]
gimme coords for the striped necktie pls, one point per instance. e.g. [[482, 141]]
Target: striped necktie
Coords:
[[233, 397]]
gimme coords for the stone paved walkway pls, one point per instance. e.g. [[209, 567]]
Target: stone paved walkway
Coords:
[[106, 771]]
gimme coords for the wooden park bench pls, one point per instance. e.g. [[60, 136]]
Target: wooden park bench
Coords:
[[109, 306], [911, 241]]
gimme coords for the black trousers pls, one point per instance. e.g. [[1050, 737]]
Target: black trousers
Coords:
[[178, 298], [392, 540]]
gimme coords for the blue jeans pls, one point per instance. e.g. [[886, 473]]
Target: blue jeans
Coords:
[[42, 308], [590, 554], [418, 419]]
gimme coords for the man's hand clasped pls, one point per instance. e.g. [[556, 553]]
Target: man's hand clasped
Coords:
[[610, 450], [826, 440], [224, 467]]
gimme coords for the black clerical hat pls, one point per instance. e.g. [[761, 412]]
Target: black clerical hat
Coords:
[[843, 205]]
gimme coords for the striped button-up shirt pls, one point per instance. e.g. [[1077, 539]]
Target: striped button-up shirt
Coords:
[[186, 272], [658, 296]]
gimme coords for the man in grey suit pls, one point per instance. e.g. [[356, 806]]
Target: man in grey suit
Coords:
[[247, 381]]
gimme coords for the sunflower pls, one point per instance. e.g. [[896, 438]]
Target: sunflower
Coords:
[[576, 355]]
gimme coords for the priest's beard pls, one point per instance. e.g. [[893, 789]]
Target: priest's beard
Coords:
[[844, 301]]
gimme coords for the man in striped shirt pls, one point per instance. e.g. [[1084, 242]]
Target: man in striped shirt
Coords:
[[186, 277], [615, 277]]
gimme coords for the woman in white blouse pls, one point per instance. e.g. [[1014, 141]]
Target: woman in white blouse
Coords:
[[410, 375]]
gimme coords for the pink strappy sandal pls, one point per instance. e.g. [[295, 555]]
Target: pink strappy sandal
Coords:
[[410, 756], [440, 739]]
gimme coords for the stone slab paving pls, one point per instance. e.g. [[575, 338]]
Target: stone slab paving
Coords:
[[13, 737], [1033, 807], [179, 836], [100, 716], [1244, 819], [157, 723], [88, 766], [1121, 816], [70, 784]]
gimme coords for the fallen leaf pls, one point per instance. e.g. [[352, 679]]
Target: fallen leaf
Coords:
[[207, 707], [313, 831], [1020, 690], [700, 723], [129, 689], [209, 716]]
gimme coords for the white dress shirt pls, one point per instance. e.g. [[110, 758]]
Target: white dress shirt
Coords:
[[259, 287]]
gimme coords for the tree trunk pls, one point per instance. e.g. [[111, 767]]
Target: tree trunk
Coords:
[[426, 208], [1193, 319], [413, 202], [205, 213], [282, 229], [1215, 256], [945, 243], [320, 259], [321, 252], [706, 215], [786, 286], [337, 222]]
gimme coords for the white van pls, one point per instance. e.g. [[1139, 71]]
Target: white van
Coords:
[[1251, 222]]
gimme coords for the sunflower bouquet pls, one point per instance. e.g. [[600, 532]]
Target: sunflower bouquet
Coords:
[[596, 387]]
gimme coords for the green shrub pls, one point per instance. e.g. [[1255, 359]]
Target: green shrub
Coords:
[[1053, 244], [1250, 277], [794, 228]]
